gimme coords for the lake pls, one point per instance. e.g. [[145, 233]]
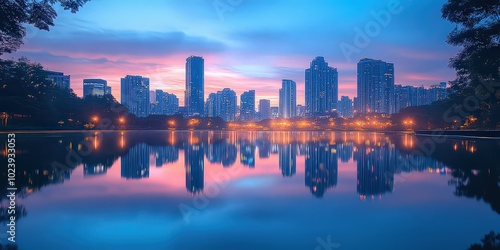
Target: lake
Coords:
[[252, 190]]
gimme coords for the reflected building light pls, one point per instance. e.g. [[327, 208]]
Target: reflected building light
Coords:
[[194, 165], [135, 165], [122, 141]]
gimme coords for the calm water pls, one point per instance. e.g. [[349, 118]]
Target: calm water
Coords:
[[253, 190]]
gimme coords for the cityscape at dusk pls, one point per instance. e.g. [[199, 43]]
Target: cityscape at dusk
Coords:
[[249, 124], [239, 52]]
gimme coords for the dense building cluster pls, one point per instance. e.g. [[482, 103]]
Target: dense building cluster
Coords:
[[376, 93]]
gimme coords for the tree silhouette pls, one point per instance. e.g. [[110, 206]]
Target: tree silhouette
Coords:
[[477, 32], [489, 242], [14, 14]]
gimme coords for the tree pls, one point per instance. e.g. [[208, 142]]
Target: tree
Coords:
[[477, 32], [14, 14], [490, 242]]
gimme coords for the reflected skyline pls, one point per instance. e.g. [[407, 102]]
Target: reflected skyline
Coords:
[[321, 168], [380, 159]]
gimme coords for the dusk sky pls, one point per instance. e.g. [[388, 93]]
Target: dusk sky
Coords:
[[252, 45]]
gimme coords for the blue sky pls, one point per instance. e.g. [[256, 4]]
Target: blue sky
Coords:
[[246, 44]]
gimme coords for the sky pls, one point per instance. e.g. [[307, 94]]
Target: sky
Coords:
[[246, 44]]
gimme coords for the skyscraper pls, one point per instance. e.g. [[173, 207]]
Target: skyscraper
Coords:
[[95, 87], [288, 99], [321, 87], [222, 104], [59, 79], [226, 103], [194, 97], [135, 95], [247, 106], [265, 109], [375, 86]]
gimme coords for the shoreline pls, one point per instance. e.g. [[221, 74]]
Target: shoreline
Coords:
[[480, 134]]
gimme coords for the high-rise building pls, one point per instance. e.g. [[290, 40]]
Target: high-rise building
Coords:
[[59, 79], [226, 100], [408, 96], [345, 107], [288, 99], [321, 85], [95, 87], [247, 106], [135, 95], [164, 104], [265, 109], [375, 86], [222, 104], [194, 97]]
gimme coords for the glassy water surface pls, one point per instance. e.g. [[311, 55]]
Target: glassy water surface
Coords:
[[253, 190]]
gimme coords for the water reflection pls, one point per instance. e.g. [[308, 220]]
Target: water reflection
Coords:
[[194, 164], [135, 164], [380, 160], [288, 159]]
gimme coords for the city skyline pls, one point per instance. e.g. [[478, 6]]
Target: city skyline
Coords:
[[237, 58]]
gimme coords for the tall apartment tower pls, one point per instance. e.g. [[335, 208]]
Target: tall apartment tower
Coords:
[[135, 95], [247, 106], [194, 96], [321, 87], [288, 99], [375, 86]]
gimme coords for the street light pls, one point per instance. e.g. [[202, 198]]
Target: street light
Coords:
[[95, 118]]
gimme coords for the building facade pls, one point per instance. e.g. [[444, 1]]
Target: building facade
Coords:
[[195, 85], [288, 99], [345, 107], [247, 106], [135, 95], [95, 87], [59, 79], [164, 103], [222, 104], [321, 87], [375, 82], [265, 109]]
